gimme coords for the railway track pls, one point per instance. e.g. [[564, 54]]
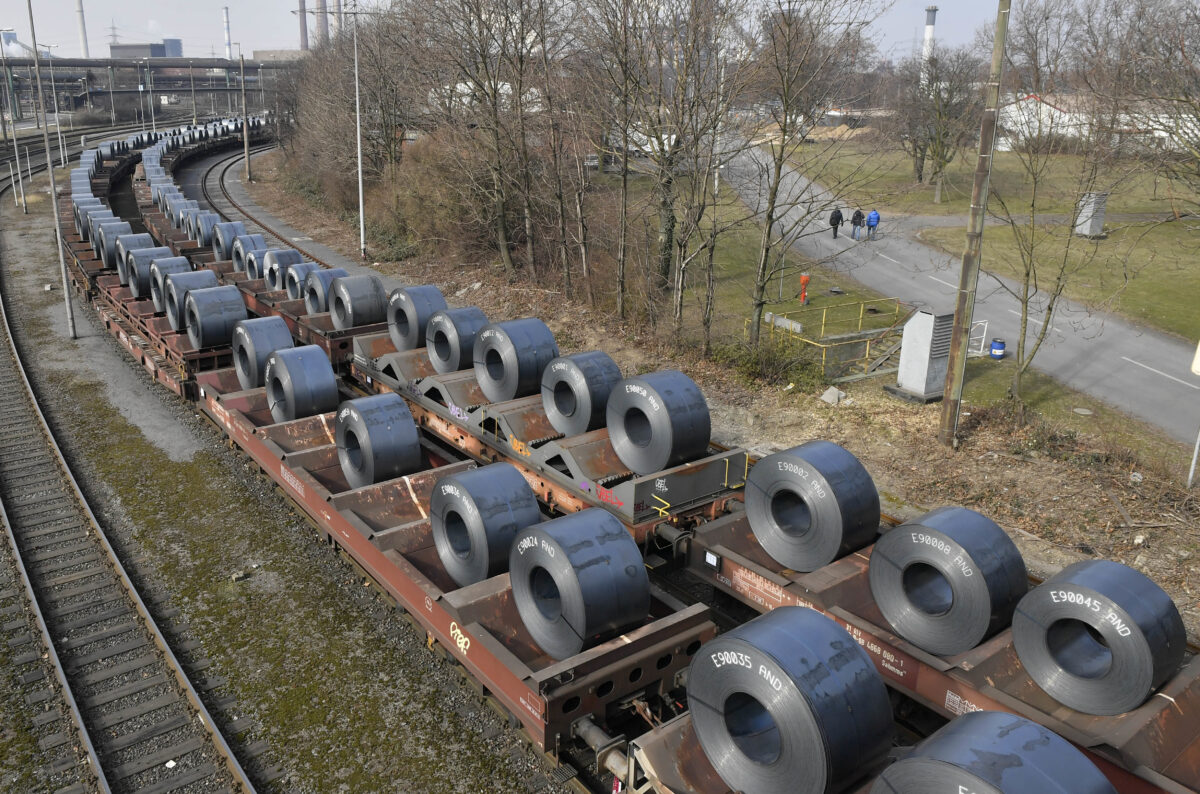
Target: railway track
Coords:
[[116, 709], [212, 185]]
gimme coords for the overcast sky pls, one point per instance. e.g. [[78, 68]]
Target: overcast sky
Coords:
[[270, 25]]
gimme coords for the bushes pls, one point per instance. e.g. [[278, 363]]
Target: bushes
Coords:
[[774, 361], [443, 213]]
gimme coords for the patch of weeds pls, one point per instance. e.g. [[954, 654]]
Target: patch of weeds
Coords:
[[772, 362], [305, 186]]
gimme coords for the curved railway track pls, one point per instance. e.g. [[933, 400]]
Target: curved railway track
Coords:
[[220, 199], [116, 710]]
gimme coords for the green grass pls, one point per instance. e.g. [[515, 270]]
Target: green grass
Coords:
[[986, 386], [1147, 274], [883, 178], [736, 261]]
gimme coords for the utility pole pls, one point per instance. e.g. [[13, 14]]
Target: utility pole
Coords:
[[969, 278], [112, 103], [362, 220], [62, 150], [245, 118], [192, 80], [62, 264], [7, 97], [150, 94]]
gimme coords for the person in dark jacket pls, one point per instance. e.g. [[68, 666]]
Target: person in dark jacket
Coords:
[[856, 223], [835, 220]]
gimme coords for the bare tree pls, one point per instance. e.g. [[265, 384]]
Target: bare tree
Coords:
[[935, 106], [804, 52], [1047, 141]]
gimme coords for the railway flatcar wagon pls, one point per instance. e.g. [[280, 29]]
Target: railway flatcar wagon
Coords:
[[547, 521]]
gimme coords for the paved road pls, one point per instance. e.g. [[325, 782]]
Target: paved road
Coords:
[[1142, 372]]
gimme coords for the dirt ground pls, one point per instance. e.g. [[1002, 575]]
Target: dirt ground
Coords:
[[1062, 497]]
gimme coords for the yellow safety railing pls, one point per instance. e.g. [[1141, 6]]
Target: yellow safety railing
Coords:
[[843, 318]]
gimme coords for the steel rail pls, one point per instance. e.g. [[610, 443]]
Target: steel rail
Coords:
[[23, 392]]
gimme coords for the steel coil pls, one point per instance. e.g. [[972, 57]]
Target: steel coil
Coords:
[[88, 217], [122, 246], [450, 337], [317, 288], [300, 382], [276, 263], [80, 204], [475, 516], [575, 391], [989, 752], [811, 504], [511, 356], [356, 301], [254, 340], [212, 313], [202, 227], [242, 245], [1099, 637], [177, 286], [294, 281], [578, 580], [377, 439], [223, 235], [107, 234], [789, 703], [137, 268], [177, 210], [947, 580], [159, 270], [657, 420], [408, 312]]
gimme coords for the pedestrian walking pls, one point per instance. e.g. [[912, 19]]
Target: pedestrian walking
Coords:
[[872, 224], [835, 220], [856, 222]]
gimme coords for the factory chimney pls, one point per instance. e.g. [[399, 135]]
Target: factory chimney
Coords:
[[303, 26], [927, 47], [228, 40], [82, 29], [322, 23]]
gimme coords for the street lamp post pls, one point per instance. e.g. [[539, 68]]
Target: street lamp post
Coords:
[[112, 103], [362, 220], [245, 117], [141, 88], [192, 80], [150, 85], [7, 99], [62, 264], [62, 151]]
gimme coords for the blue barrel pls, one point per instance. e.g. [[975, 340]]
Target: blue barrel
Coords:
[[997, 351]]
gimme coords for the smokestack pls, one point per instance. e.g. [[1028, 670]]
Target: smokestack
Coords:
[[341, 20], [322, 23], [82, 29], [927, 47], [228, 40], [303, 26]]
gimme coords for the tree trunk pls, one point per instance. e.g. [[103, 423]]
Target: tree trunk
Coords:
[[623, 221], [919, 166], [937, 189], [710, 286], [666, 228], [762, 271]]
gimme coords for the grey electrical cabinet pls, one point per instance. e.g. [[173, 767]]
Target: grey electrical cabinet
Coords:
[[924, 353], [1089, 220]]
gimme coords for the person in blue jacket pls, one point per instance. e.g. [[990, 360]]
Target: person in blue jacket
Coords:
[[872, 224]]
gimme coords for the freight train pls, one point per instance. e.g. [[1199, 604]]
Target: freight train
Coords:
[[525, 508]]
